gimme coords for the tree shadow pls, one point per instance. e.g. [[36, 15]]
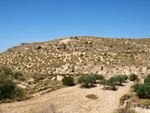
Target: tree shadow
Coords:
[[109, 88], [120, 85], [88, 87]]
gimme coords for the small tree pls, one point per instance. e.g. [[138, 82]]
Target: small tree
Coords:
[[103, 82], [69, 81], [140, 90], [125, 77], [98, 77], [133, 77], [136, 87], [112, 82], [86, 80], [120, 79]]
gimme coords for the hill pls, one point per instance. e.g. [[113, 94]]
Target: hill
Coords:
[[81, 55]]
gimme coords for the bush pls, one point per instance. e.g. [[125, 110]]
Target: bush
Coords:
[[125, 77], [133, 77], [147, 90], [104, 82], [98, 77], [120, 79], [39, 47], [69, 81], [136, 87], [147, 79], [143, 90], [8, 89], [6, 71], [22, 79], [112, 82], [17, 75], [140, 91], [86, 80]]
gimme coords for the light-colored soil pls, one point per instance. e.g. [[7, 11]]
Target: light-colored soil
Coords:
[[140, 110], [71, 100]]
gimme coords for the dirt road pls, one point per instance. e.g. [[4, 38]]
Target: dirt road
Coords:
[[71, 100]]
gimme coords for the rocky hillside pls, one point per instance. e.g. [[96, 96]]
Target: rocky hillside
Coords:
[[81, 55]]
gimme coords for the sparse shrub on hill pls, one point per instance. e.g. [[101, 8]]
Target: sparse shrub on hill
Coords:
[[17, 75], [39, 47], [69, 81], [6, 71], [133, 77]]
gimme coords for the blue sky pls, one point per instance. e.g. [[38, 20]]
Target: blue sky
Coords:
[[23, 21]]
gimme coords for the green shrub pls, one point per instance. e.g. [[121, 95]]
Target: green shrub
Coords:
[[22, 79], [39, 47], [98, 77], [140, 91], [112, 82], [143, 90], [147, 79], [133, 77], [17, 75], [69, 81], [147, 90], [104, 82], [125, 77], [8, 89], [86, 80], [135, 87], [120, 79], [6, 70]]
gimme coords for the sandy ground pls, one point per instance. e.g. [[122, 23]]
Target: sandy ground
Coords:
[[140, 110], [71, 100]]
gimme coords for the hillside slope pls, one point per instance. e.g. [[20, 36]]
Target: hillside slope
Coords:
[[81, 55]]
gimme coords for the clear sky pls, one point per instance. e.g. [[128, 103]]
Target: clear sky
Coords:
[[23, 21]]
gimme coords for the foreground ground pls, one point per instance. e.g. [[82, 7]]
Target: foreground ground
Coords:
[[70, 100]]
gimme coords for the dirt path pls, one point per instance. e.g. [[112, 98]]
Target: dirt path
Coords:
[[71, 100]]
